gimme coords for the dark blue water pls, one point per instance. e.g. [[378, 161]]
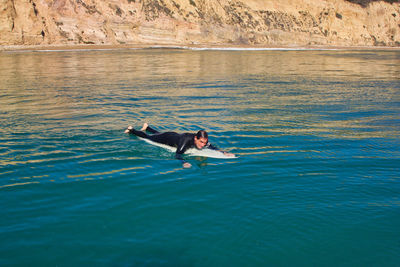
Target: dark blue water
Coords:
[[317, 181]]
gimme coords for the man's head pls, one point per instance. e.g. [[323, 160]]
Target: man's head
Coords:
[[201, 139]]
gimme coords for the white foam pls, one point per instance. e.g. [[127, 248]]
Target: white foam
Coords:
[[72, 49], [66, 50], [205, 152], [242, 49], [245, 48]]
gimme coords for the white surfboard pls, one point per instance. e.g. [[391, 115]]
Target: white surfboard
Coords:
[[205, 152]]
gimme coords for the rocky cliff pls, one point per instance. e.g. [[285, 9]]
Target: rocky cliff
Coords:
[[201, 22]]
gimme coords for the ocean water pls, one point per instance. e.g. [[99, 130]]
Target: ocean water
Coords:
[[316, 181]]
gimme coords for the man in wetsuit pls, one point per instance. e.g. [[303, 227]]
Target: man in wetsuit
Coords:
[[182, 142]]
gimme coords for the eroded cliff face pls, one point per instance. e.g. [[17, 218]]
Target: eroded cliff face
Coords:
[[185, 22]]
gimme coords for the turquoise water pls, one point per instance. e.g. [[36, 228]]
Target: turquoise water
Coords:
[[317, 181]]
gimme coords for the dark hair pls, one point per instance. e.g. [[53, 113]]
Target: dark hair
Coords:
[[201, 134]]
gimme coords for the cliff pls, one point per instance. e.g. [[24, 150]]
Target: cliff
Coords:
[[201, 22]]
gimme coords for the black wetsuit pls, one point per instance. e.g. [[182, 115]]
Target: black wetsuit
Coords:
[[182, 142]]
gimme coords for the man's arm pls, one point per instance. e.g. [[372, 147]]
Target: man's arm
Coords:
[[182, 147], [210, 146], [184, 162]]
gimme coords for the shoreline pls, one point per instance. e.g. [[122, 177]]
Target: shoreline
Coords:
[[231, 47]]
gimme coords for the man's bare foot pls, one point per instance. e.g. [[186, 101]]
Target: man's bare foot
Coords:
[[129, 129], [145, 125]]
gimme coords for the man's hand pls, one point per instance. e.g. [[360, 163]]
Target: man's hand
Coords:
[[229, 154], [187, 165]]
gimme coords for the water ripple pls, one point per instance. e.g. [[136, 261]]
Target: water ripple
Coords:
[[317, 137]]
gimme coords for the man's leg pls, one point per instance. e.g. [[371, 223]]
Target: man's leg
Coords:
[[130, 130], [146, 127]]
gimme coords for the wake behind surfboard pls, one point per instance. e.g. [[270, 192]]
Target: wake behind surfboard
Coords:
[[205, 152]]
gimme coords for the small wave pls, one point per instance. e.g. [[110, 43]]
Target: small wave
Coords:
[[194, 48], [70, 49], [18, 184], [233, 48], [256, 48]]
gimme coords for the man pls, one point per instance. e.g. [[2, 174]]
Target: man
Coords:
[[182, 142]]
